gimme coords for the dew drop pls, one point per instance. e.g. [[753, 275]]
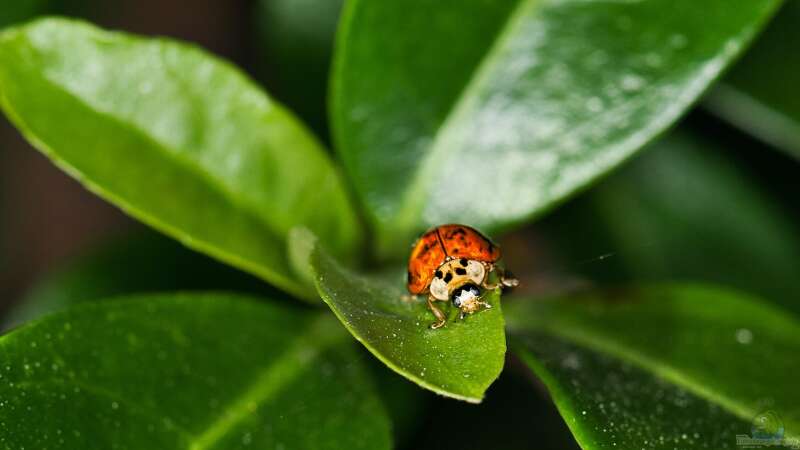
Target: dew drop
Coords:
[[744, 336], [732, 47], [653, 60], [594, 104], [632, 82], [678, 41], [146, 88]]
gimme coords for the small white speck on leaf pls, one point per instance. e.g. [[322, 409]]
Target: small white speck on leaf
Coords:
[[744, 336]]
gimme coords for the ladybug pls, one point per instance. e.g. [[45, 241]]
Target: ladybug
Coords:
[[453, 263]]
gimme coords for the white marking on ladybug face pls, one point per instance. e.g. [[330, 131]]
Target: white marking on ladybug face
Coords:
[[466, 297], [439, 289], [476, 271]]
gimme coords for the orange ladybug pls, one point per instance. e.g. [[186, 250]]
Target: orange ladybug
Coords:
[[453, 262]]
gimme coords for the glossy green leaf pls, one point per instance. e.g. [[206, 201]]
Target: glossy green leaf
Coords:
[[684, 211], [609, 403], [178, 139], [132, 264], [761, 94], [459, 360], [491, 112], [661, 366], [147, 262], [191, 371]]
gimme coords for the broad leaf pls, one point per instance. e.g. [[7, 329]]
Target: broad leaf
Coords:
[[178, 139], [662, 366], [490, 112], [133, 264], [147, 262], [761, 94], [459, 360], [209, 371], [608, 403], [683, 210]]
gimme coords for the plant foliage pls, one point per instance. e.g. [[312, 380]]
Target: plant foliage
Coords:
[[484, 113]]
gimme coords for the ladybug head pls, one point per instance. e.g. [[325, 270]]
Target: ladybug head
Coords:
[[455, 274], [467, 298]]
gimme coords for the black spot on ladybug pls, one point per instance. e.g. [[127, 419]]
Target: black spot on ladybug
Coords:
[[438, 274], [410, 277], [458, 231], [463, 262], [461, 271], [448, 277], [455, 250]]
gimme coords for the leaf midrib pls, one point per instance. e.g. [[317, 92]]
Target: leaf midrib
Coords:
[[319, 335], [598, 342], [238, 201], [278, 279], [477, 388], [194, 168], [413, 200]]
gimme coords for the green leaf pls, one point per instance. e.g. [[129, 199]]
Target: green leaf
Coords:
[[178, 139], [491, 112], [683, 211], [663, 366], [133, 264], [187, 371], [147, 262], [459, 360], [761, 95], [609, 403]]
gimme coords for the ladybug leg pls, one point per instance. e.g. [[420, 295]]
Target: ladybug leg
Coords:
[[486, 285], [490, 286], [489, 267], [440, 317], [507, 279]]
